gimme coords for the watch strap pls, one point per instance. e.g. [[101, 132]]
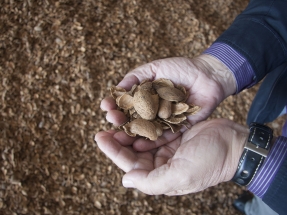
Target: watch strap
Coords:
[[255, 151]]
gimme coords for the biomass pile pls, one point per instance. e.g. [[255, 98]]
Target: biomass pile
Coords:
[[58, 60]]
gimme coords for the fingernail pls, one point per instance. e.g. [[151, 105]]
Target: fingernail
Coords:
[[128, 184]]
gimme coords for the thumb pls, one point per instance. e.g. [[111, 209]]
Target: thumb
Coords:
[[161, 180], [146, 71], [128, 81]]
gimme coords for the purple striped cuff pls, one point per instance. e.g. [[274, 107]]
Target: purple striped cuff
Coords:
[[284, 129], [240, 67], [267, 172]]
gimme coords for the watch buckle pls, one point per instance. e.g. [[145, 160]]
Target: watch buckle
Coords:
[[256, 149]]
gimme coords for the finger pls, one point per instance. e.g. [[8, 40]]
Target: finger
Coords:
[[108, 104], [158, 181], [146, 71], [103, 133], [116, 117], [178, 192], [128, 81], [208, 98], [145, 145], [153, 151], [203, 114], [165, 153], [124, 139], [160, 160], [111, 131], [122, 156]]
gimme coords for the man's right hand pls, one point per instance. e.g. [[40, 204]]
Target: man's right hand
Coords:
[[207, 80]]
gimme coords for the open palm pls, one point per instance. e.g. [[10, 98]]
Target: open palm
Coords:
[[199, 158], [206, 79]]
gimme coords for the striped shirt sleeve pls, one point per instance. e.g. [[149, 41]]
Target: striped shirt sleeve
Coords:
[[284, 129], [267, 172], [240, 67]]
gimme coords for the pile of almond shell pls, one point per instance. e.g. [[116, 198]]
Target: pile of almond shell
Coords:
[[153, 106]]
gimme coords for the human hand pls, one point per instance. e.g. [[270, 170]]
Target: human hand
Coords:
[[207, 80], [201, 157]]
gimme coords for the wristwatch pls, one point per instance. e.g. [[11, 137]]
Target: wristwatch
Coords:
[[255, 150]]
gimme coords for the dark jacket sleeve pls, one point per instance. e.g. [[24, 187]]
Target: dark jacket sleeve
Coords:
[[259, 33]]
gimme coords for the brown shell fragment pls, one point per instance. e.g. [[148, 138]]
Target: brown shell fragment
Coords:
[[179, 108], [176, 119], [158, 128], [144, 81], [147, 85], [128, 132], [117, 91], [171, 94], [125, 101], [121, 125], [132, 111], [193, 109], [186, 96], [133, 90], [162, 123], [135, 115], [141, 127], [174, 127], [126, 112], [165, 127], [162, 82], [164, 110], [146, 104], [181, 88]]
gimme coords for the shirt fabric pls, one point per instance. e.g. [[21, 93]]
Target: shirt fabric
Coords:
[[259, 35], [245, 78]]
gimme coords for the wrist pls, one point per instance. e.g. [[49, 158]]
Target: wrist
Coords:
[[236, 62], [255, 151], [218, 72]]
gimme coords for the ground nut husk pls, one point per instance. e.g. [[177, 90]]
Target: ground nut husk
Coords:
[[164, 110], [117, 91], [132, 91], [181, 88], [141, 127], [146, 104], [125, 101], [193, 109], [179, 108], [158, 128], [176, 119], [174, 127], [147, 85], [171, 94], [162, 82], [154, 106]]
